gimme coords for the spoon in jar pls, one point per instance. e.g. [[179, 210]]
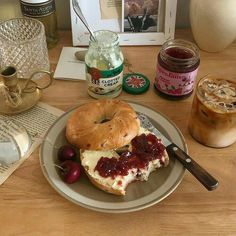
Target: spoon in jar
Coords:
[[80, 55], [79, 13]]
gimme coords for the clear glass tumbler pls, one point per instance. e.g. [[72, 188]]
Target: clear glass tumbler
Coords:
[[213, 116], [23, 45]]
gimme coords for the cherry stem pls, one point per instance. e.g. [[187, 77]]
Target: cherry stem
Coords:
[[59, 167], [56, 166]]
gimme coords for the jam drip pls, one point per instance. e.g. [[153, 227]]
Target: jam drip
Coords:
[[145, 148]]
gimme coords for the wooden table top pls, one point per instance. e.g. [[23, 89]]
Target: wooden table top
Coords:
[[30, 206]]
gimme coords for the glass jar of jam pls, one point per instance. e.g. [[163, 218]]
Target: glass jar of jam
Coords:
[[177, 66], [104, 65]]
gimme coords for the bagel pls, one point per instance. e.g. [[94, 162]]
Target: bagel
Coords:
[[102, 125]]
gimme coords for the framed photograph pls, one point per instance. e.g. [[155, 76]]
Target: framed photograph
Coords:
[[140, 16], [138, 22]]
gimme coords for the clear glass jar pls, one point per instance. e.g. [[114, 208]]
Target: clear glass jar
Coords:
[[177, 66], [104, 65], [44, 11]]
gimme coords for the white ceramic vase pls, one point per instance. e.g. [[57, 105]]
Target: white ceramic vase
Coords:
[[213, 23]]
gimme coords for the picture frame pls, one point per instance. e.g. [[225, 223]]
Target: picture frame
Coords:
[[98, 20]]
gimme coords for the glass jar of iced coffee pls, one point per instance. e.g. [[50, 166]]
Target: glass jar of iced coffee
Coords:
[[213, 115]]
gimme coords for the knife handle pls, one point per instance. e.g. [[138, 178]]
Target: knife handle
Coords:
[[193, 167]]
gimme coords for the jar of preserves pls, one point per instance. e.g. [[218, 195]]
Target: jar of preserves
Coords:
[[177, 66], [104, 65]]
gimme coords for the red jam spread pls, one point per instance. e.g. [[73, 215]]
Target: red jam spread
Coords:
[[179, 53], [176, 61], [145, 148]]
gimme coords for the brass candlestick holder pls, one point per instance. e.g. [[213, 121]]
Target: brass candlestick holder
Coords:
[[19, 94]]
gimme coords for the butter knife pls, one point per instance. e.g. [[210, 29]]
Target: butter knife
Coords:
[[207, 180]]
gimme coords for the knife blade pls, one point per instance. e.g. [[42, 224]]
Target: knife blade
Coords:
[[205, 178]]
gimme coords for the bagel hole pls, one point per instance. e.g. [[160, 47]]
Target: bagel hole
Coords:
[[103, 121]]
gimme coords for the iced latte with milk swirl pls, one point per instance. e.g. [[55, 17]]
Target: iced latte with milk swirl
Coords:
[[213, 115]]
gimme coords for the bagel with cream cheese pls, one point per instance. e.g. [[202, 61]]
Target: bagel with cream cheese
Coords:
[[101, 129], [117, 184]]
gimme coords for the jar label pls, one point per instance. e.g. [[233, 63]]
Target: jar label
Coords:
[[104, 82], [175, 84], [37, 9]]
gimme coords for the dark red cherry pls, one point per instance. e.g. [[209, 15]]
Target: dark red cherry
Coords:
[[70, 171], [66, 152]]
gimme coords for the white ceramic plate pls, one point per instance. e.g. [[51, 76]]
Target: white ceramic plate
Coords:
[[139, 195]]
